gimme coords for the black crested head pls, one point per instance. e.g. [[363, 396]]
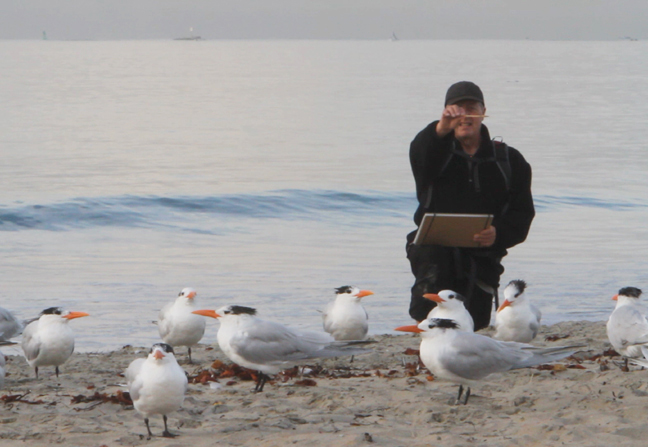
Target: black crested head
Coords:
[[343, 289], [632, 292], [520, 284], [164, 346], [241, 310], [443, 323], [458, 296], [52, 311]]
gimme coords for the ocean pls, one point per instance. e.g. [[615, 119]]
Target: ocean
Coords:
[[268, 173]]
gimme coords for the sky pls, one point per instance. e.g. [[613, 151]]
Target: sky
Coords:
[[324, 19]]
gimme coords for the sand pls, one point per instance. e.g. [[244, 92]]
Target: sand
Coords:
[[383, 398]]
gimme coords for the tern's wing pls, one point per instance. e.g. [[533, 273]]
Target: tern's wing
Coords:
[[326, 319], [163, 321], [534, 326], [30, 342], [270, 343], [9, 325], [133, 379], [474, 356]]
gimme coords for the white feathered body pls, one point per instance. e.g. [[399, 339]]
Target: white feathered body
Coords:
[[178, 326], [627, 327], [464, 357], [156, 386], [519, 322], [48, 341], [270, 347], [346, 319]]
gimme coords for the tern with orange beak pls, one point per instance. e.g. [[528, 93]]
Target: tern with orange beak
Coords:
[[345, 318], [517, 319], [627, 326], [467, 357], [270, 347], [177, 324], [49, 341], [157, 385], [451, 306]]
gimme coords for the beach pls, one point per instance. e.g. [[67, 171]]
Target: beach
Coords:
[[384, 398]]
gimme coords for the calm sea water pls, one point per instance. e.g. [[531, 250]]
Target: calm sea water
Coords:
[[267, 173]]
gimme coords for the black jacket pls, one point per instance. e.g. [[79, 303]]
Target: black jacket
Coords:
[[475, 185]]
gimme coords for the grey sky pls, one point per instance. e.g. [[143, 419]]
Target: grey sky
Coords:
[[325, 19]]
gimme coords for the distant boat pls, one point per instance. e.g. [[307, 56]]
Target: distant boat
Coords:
[[191, 37], [393, 37]]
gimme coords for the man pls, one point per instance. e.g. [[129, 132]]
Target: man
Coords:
[[458, 169]]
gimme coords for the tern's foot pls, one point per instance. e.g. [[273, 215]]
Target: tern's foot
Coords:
[[168, 434]]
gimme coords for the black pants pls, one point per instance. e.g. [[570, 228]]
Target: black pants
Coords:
[[439, 268]]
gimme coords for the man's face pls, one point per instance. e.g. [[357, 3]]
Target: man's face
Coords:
[[470, 127]]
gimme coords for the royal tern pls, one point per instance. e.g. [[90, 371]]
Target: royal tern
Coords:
[[466, 357], [517, 319], [627, 326], [270, 347], [176, 323], [49, 341], [344, 317], [451, 305], [157, 385]]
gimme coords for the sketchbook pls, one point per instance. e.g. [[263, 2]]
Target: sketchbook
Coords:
[[452, 230]]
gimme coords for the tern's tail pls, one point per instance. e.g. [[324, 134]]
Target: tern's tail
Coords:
[[641, 361], [540, 355], [342, 348]]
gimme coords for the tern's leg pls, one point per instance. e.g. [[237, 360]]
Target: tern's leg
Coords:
[[467, 395], [57, 371], [190, 355], [166, 433], [36, 370], [460, 393], [260, 382], [146, 421]]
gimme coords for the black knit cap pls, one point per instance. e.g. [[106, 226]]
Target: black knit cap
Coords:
[[463, 90]]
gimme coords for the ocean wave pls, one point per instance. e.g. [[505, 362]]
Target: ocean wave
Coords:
[[551, 202], [198, 213], [181, 212]]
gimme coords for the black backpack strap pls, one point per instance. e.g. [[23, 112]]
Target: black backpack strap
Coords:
[[501, 151]]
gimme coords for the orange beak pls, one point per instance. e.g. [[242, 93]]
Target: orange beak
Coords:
[[615, 297], [206, 313], [506, 303], [73, 315], [363, 293], [411, 328], [434, 297], [158, 355], [191, 295]]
